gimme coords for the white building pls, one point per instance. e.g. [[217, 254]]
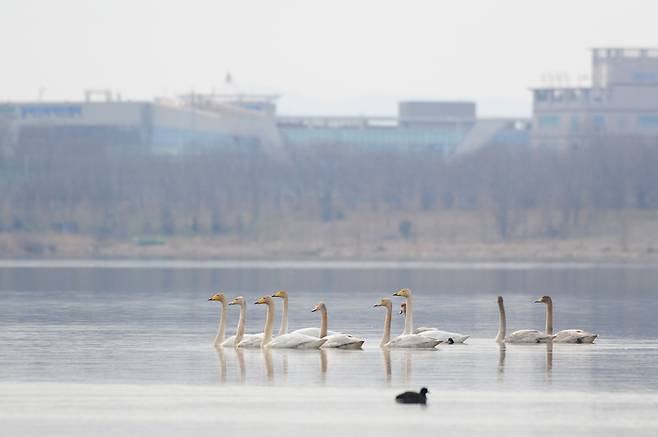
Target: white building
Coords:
[[622, 101]]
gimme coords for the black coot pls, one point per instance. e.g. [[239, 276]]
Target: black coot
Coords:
[[411, 397]]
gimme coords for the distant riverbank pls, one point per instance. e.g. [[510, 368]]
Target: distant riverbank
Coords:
[[80, 247]]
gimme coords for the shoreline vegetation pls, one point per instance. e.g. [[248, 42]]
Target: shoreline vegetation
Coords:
[[627, 237], [598, 202]]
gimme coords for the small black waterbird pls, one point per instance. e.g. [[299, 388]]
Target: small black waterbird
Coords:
[[411, 397]]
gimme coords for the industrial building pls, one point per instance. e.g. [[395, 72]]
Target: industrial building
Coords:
[[189, 123], [448, 127], [622, 101], [194, 123]]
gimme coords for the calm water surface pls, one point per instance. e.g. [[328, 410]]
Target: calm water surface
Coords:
[[125, 349]]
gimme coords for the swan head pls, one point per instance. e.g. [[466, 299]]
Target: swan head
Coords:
[[267, 300], [403, 308], [319, 307], [499, 299], [383, 302], [219, 297], [281, 293], [405, 292], [544, 299], [237, 301]]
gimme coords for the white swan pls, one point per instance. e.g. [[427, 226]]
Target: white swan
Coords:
[[521, 336], [219, 338], [337, 340], [292, 340], [283, 329], [445, 336], [414, 341], [567, 335], [240, 339]]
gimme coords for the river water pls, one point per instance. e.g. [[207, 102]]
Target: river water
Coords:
[[124, 348]]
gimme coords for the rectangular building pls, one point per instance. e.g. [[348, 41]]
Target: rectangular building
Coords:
[[622, 101]]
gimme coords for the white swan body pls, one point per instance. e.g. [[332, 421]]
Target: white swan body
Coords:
[[520, 336], [248, 341], [413, 341], [251, 341], [294, 340], [285, 341], [283, 328], [527, 336], [567, 335], [240, 339], [336, 340], [313, 332], [574, 336], [404, 341], [444, 336], [407, 310]]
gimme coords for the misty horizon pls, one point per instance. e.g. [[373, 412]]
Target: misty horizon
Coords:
[[329, 59]]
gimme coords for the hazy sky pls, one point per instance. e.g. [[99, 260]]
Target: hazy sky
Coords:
[[330, 57]]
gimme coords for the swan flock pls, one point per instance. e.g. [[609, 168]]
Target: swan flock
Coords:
[[418, 338]]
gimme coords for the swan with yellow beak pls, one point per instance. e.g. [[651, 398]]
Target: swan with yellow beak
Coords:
[[292, 340]]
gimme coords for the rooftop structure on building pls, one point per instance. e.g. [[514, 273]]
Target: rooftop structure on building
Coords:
[[446, 126], [622, 101], [195, 123], [191, 123]]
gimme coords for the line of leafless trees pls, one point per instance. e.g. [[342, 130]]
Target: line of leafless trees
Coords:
[[115, 193]]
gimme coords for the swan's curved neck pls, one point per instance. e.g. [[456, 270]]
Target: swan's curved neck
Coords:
[[221, 329], [409, 318], [549, 318], [283, 329], [502, 323], [239, 333], [324, 324], [386, 337], [269, 321]]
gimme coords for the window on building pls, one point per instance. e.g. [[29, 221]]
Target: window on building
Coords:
[[598, 123], [622, 122], [648, 121], [548, 121]]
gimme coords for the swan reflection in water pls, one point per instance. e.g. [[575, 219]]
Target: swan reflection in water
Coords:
[[267, 361], [406, 363], [309, 360], [239, 354], [501, 358], [323, 365], [502, 349], [222, 365], [549, 355], [387, 364]]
